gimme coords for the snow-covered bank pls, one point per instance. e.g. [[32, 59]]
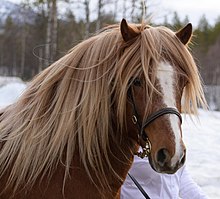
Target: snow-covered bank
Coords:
[[7, 80], [10, 90], [202, 139]]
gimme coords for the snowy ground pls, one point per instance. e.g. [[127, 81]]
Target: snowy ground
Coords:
[[10, 90], [202, 139]]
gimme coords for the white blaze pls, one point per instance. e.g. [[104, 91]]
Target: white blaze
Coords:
[[165, 75]]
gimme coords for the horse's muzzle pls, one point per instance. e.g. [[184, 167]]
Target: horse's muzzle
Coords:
[[163, 162]]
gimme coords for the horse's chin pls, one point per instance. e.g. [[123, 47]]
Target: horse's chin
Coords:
[[165, 169]]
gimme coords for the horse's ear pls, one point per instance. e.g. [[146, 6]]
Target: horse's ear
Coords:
[[185, 34], [127, 32]]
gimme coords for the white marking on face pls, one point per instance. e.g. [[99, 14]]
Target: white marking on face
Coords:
[[166, 78]]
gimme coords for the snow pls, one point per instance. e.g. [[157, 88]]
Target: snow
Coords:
[[10, 90], [6, 80], [201, 136]]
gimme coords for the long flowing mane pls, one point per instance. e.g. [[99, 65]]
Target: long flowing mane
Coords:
[[68, 107]]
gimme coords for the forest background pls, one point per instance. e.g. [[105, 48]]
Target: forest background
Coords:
[[35, 33]]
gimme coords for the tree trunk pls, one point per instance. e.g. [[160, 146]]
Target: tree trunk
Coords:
[[54, 30], [98, 22], [87, 11], [124, 9], [51, 36], [48, 34], [23, 48], [115, 9], [41, 64], [1, 54], [132, 10]]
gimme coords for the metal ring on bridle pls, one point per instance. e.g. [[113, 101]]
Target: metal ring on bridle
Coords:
[[134, 119]]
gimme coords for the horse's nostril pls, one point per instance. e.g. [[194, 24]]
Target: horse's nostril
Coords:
[[162, 156], [182, 161]]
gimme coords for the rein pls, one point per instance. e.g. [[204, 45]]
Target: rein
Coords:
[[142, 137]]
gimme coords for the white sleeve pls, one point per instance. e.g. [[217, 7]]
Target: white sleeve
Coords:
[[188, 188]]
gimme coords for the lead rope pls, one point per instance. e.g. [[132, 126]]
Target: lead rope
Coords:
[[139, 186]]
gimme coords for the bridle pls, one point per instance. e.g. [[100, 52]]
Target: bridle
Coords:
[[142, 137]]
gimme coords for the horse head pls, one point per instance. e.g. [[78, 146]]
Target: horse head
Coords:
[[155, 114]]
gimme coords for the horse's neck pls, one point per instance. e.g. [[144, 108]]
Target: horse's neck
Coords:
[[121, 157], [121, 161], [79, 185]]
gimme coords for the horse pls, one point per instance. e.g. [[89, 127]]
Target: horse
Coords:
[[74, 131]]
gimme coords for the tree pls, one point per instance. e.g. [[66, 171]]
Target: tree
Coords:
[[203, 34], [214, 36], [99, 14], [186, 20], [176, 22], [9, 45], [51, 36], [70, 31], [115, 10], [87, 22]]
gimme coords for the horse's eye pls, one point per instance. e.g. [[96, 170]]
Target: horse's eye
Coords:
[[137, 82]]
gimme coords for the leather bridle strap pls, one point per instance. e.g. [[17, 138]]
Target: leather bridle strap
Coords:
[[159, 113], [135, 112], [142, 125]]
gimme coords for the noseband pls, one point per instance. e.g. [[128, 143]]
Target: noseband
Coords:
[[142, 137]]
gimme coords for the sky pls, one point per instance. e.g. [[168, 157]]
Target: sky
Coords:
[[194, 9]]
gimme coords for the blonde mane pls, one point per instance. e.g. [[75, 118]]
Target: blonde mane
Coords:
[[68, 107]]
